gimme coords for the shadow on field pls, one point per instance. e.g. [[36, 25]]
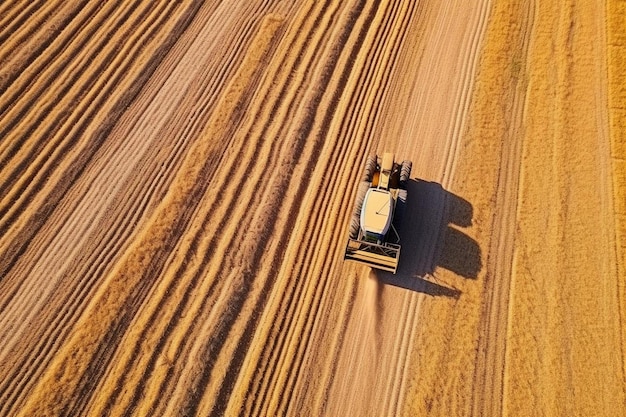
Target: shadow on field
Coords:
[[430, 236]]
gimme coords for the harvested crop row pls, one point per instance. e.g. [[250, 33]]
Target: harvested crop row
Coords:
[[166, 211], [22, 242], [298, 303], [57, 152]]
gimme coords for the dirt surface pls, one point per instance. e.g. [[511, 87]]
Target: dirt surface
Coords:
[[177, 180]]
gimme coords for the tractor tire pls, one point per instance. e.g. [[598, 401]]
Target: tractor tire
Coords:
[[370, 168], [355, 220], [405, 174]]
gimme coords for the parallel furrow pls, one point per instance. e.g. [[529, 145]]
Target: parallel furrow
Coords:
[[224, 216], [319, 13], [9, 11], [276, 350], [60, 157], [292, 372], [188, 287], [121, 73], [29, 35], [25, 172], [44, 334], [61, 62], [148, 67]]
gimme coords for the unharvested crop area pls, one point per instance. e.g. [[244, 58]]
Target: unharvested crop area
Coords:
[[177, 179]]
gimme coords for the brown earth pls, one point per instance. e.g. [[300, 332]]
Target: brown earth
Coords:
[[177, 179]]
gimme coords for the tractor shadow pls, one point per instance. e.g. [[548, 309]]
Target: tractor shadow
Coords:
[[431, 237]]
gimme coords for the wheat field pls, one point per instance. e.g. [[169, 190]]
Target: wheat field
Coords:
[[177, 181]]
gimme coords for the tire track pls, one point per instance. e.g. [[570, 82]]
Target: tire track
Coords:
[[396, 385], [420, 65]]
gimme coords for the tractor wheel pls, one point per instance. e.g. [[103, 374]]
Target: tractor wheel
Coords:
[[355, 221], [370, 168], [405, 173]]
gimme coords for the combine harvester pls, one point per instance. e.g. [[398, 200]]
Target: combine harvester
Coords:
[[380, 203]]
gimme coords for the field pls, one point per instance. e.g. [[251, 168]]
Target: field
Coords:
[[177, 181]]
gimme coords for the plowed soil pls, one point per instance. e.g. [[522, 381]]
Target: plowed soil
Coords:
[[177, 181]]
